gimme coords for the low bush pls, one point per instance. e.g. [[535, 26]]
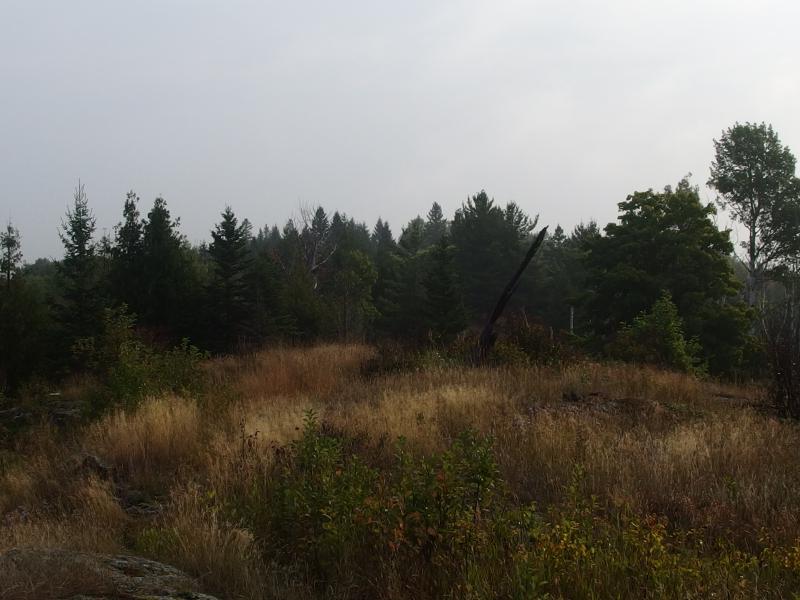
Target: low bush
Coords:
[[131, 370], [445, 526]]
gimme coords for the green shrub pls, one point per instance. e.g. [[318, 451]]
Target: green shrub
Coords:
[[130, 369], [347, 521], [444, 527], [656, 337]]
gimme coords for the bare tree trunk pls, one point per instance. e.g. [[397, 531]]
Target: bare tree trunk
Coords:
[[487, 338]]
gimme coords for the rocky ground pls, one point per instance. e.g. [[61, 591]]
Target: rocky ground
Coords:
[[84, 576]]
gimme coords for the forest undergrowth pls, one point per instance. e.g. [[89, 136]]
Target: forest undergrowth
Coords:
[[310, 473]]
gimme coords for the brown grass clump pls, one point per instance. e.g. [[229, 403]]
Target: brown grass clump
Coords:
[[315, 371], [89, 519], [193, 537], [149, 445], [38, 577]]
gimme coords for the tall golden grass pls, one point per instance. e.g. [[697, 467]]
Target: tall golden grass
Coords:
[[705, 455]]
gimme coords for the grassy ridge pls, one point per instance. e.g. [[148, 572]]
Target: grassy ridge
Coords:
[[589, 481]]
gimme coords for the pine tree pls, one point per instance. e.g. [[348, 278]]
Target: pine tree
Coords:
[[229, 290], [435, 225], [443, 306], [10, 253], [384, 251], [489, 244], [80, 313], [170, 284], [127, 256]]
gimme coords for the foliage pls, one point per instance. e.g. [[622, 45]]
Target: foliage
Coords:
[[535, 342], [443, 308], [229, 289], [127, 255], [656, 337], [755, 177], [347, 521], [489, 243], [445, 526], [25, 323], [351, 294], [79, 315], [667, 242], [131, 370], [10, 253], [170, 281]]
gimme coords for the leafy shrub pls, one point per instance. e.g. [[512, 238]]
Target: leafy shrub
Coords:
[[130, 369], [347, 521], [579, 550], [445, 527], [656, 337]]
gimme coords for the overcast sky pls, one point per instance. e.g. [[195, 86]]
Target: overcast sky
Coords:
[[375, 108]]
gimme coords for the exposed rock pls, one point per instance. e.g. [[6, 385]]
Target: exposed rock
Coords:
[[91, 465], [45, 574]]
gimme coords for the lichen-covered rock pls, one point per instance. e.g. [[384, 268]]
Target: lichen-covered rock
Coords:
[[44, 574]]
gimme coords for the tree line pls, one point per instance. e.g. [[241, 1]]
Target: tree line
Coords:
[[662, 284]]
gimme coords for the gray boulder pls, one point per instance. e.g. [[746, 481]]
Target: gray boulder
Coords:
[[45, 574]]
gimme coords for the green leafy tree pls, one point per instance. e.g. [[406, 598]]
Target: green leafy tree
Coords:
[[229, 290], [755, 177], [667, 241]]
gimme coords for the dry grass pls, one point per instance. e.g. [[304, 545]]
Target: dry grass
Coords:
[[192, 537], [705, 455], [315, 371], [156, 441], [89, 519], [35, 577]]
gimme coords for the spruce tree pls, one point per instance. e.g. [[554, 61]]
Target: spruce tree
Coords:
[[443, 306], [10, 253], [80, 311], [229, 290], [170, 284], [127, 256], [435, 225]]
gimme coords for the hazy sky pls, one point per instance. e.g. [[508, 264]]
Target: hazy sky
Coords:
[[375, 108]]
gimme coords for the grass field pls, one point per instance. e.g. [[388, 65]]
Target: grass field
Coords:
[[300, 473]]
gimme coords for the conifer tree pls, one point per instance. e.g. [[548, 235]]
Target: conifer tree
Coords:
[[443, 306], [170, 284], [435, 225], [10, 253], [127, 256], [229, 290], [80, 312]]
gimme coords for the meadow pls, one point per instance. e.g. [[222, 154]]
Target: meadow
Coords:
[[319, 473]]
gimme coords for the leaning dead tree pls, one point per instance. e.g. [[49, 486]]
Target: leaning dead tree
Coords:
[[488, 336]]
